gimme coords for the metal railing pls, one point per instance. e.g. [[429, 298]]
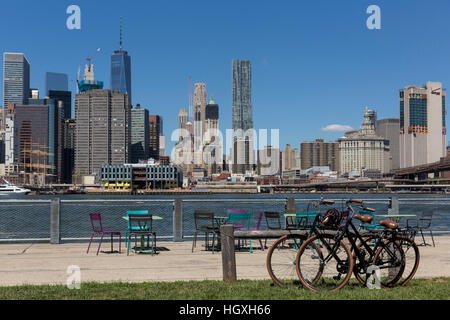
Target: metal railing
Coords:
[[60, 220]]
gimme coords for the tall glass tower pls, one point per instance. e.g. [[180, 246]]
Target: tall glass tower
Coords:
[[121, 70], [242, 120], [16, 79]]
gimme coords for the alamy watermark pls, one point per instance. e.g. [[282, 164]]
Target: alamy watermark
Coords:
[[374, 20], [74, 278], [73, 22]]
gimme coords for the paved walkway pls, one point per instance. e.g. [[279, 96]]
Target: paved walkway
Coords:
[[47, 264]]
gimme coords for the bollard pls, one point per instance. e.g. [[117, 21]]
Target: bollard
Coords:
[[290, 205], [393, 206], [177, 220], [228, 254], [55, 217]]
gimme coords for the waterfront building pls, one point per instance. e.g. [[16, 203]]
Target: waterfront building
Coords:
[[363, 149], [16, 79], [102, 132], [423, 130], [34, 132], [140, 141], [242, 119], [69, 128], [56, 82], [290, 158], [155, 130], [389, 129], [321, 153], [66, 98], [141, 176]]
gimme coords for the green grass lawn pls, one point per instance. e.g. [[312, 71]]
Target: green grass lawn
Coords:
[[420, 289]]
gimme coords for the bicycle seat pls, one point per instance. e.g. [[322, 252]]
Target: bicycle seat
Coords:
[[363, 219], [389, 224]]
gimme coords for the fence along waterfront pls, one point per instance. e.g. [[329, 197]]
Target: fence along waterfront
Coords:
[[58, 220]]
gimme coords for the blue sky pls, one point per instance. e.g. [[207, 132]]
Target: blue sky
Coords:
[[315, 63]]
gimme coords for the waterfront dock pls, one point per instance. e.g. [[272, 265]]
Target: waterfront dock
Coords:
[[47, 264]]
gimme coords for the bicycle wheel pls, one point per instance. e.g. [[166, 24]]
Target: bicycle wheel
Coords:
[[281, 260], [359, 268], [390, 260], [323, 263], [411, 256]]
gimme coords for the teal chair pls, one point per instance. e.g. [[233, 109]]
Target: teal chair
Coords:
[[372, 225], [240, 219], [129, 228], [304, 220]]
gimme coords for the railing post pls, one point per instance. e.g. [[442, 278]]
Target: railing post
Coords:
[[177, 220], [290, 205], [393, 206], [228, 254], [55, 219]]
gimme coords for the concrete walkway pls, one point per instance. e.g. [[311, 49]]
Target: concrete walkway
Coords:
[[47, 264]]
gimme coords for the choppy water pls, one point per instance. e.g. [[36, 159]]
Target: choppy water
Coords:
[[31, 220]]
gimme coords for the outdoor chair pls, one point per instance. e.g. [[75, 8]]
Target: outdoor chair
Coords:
[[204, 223], [240, 219], [141, 212], [303, 220], [372, 225], [258, 225], [141, 225], [421, 225], [273, 222], [97, 229]]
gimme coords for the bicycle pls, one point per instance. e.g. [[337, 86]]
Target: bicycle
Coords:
[[281, 255], [329, 266]]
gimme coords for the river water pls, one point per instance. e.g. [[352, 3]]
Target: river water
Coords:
[[30, 219]]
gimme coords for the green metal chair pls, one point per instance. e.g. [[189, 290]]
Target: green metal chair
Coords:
[[240, 219], [134, 228], [372, 225]]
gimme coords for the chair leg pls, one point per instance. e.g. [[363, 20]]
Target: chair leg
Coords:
[[100, 244], [194, 242], [120, 242], [112, 243], [92, 236], [432, 238], [260, 243], [213, 239]]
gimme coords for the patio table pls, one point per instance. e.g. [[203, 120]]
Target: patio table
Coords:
[[396, 217], [155, 218]]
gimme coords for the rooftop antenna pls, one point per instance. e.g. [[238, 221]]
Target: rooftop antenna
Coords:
[[120, 33]]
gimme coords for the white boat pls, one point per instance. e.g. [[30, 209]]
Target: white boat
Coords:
[[9, 189]]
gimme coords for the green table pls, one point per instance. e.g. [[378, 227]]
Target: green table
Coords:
[[155, 218], [396, 217]]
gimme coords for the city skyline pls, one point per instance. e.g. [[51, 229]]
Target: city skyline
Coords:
[[289, 86]]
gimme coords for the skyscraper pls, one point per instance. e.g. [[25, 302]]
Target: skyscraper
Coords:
[[139, 134], [155, 124], [200, 101], [242, 121], [102, 134], [422, 124], [390, 130], [182, 120], [121, 70], [16, 79], [56, 81], [320, 154]]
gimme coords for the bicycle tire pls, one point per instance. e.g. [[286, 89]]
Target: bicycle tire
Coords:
[[324, 243], [281, 258], [412, 257]]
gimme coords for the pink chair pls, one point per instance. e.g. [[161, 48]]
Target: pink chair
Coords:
[[97, 229]]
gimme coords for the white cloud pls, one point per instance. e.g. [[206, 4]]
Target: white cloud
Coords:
[[337, 128]]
